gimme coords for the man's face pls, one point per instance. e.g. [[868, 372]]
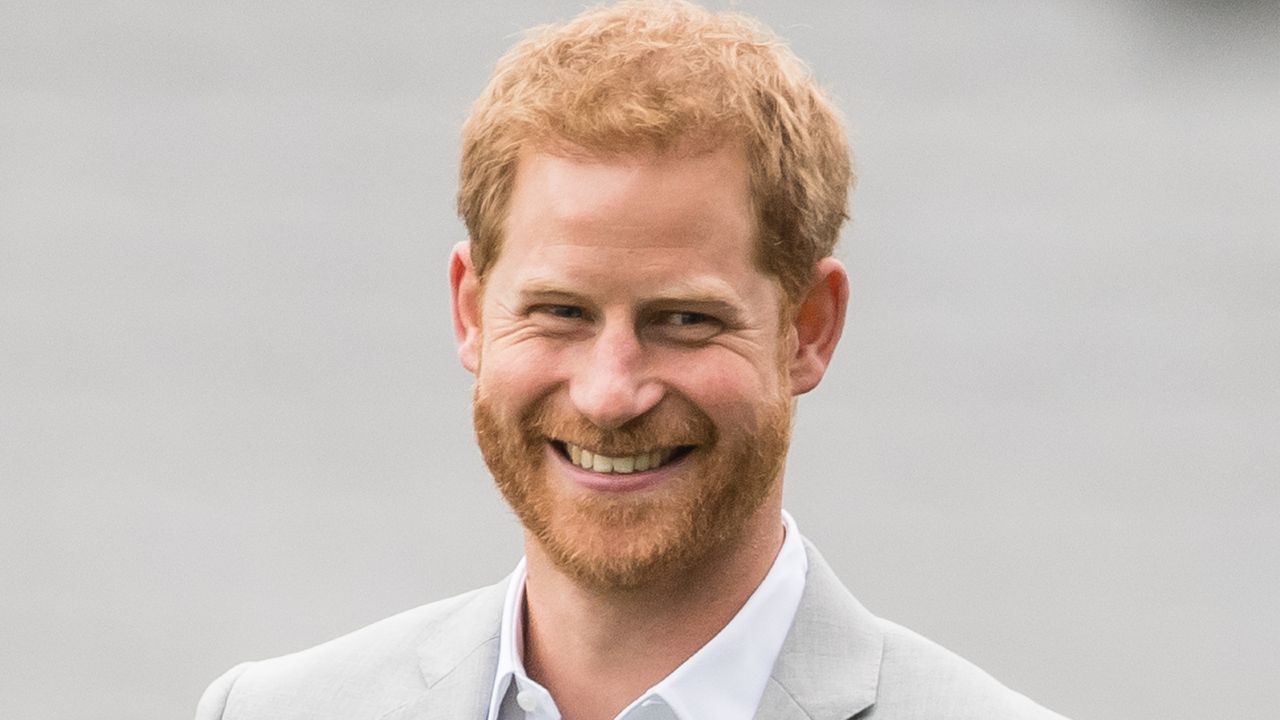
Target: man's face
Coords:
[[632, 398]]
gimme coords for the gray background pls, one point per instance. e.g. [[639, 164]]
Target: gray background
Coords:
[[232, 423]]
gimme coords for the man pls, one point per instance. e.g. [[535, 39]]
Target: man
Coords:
[[652, 193]]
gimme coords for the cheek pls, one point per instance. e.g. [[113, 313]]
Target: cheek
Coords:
[[518, 372], [727, 388]]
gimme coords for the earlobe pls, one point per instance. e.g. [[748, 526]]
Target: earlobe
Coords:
[[817, 325], [464, 288]]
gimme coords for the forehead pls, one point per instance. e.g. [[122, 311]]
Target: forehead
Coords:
[[647, 207]]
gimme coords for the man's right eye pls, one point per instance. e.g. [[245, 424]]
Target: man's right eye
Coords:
[[565, 312]]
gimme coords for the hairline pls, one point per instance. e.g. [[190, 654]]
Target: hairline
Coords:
[[696, 143]]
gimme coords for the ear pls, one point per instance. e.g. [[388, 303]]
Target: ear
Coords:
[[817, 324], [464, 287]]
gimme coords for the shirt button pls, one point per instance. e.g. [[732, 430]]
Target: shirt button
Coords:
[[527, 700]]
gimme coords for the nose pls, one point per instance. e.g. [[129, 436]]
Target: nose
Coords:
[[612, 386]]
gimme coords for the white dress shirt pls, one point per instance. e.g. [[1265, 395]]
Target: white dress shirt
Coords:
[[723, 680]]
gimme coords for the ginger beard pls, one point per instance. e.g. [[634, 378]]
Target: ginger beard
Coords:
[[628, 540]]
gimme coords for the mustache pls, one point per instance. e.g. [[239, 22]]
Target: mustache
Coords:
[[673, 422]]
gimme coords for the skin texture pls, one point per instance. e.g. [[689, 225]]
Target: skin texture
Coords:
[[625, 314]]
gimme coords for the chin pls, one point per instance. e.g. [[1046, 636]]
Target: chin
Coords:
[[611, 544]]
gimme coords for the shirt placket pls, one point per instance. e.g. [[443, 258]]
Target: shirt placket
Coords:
[[535, 701]]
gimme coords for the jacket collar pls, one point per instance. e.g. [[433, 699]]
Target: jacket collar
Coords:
[[828, 669], [829, 666], [458, 659]]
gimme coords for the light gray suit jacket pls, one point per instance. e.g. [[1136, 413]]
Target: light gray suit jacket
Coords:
[[437, 662]]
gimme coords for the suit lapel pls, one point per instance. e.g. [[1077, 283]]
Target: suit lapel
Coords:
[[777, 704], [829, 666], [458, 660]]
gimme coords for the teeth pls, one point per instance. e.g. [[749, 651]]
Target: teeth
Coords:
[[604, 464]]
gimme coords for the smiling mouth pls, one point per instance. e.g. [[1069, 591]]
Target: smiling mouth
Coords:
[[623, 464]]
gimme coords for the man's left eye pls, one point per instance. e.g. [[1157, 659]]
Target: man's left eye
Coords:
[[685, 319], [686, 327]]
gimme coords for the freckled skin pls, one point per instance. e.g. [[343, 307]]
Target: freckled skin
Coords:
[[625, 303], [625, 312], [621, 234]]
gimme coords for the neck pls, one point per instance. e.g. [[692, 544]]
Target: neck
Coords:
[[596, 651]]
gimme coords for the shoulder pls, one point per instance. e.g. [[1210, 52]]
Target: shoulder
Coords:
[[364, 673], [919, 678], [842, 660]]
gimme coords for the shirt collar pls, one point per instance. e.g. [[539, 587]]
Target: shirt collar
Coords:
[[723, 680]]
